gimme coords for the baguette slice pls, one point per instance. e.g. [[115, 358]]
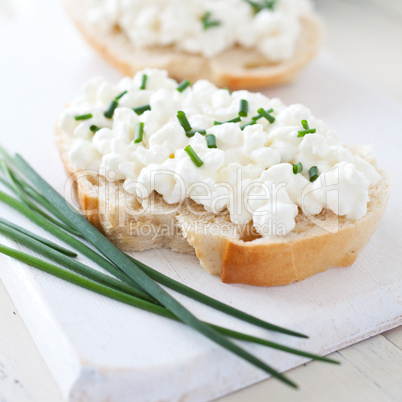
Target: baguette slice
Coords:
[[236, 255], [236, 68]]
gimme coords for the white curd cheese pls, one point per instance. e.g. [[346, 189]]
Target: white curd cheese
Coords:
[[250, 173], [273, 30]]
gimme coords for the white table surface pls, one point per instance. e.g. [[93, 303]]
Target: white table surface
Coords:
[[371, 370]]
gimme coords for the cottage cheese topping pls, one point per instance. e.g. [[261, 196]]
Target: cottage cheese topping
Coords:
[[178, 23], [250, 173]]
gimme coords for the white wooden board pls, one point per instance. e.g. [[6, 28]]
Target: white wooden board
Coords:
[[99, 349]]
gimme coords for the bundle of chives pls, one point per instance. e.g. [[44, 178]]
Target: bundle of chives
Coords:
[[105, 280], [155, 275], [127, 265]]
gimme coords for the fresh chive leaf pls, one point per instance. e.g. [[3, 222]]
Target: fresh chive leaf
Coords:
[[143, 81], [307, 129], [83, 117], [207, 22], [191, 133], [38, 238], [104, 246], [183, 85], [139, 131], [141, 109], [94, 128], [266, 114], [110, 110], [181, 116], [211, 141], [118, 97], [243, 109], [297, 168], [193, 156], [313, 173]]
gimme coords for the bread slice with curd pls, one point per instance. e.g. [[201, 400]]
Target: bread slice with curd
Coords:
[[243, 46], [263, 193]]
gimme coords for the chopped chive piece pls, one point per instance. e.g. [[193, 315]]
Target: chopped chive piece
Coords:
[[266, 114], [250, 123], [258, 116], [297, 168], [235, 120], [94, 128], [183, 85], [193, 156], [211, 141], [83, 117], [260, 5], [139, 131], [227, 89], [243, 109], [141, 109], [313, 172], [144, 81], [302, 133], [181, 116], [207, 22], [307, 129], [118, 97], [191, 133], [110, 110]]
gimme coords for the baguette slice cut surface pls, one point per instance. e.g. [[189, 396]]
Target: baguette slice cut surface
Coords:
[[317, 244], [235, 68]]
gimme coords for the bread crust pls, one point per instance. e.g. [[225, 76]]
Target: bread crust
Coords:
[[236, 68], [313, 247]]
